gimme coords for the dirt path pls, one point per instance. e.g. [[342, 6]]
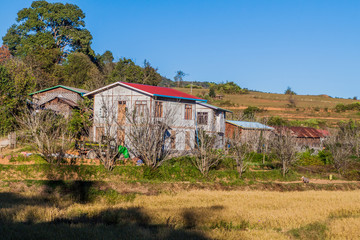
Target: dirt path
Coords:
[[319, 181]]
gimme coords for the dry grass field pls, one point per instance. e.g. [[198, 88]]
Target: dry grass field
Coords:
[[40, 212], [307, 106]]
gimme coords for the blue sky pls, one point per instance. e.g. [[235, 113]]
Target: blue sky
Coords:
[[311, 46]]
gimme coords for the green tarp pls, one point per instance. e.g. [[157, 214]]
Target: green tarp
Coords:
[[123, 150]]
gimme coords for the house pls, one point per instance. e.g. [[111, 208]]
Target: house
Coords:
[[247, 130], [114, 100], [212, 119], [60, 98], [306, 136]]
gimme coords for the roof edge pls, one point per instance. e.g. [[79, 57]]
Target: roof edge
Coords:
[[61, 86], [194, 99]]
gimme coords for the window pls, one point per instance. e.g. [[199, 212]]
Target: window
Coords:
[[202, 118], [188, 112], [158, 109], [140, 107]]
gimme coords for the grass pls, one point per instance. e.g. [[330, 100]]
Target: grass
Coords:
[[45, 211]]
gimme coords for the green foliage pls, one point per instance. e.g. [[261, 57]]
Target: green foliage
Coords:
[[347, 107], [308, 158], [289, 91], [79, 71], [81, 121], [16, 81], [250, 111], [229, 88], [193, 86], [312, 231], [277, 121], [126, 70], [49, 25], [212, 92], [325, 156]]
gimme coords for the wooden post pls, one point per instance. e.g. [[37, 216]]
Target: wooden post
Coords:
[[12, 140]]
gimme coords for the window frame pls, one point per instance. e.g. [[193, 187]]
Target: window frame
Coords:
[[159, 108], [140, 107], [202, 118], [188, 112]]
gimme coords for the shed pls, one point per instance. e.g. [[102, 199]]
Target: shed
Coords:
[[58, 98]]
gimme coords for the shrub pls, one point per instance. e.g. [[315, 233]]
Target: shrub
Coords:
[[307, 158]]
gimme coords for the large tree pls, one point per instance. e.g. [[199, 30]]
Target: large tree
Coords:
[[49, 26]]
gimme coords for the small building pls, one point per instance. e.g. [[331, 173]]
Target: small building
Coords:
[[246, 130], [60, 98], [306, 137]]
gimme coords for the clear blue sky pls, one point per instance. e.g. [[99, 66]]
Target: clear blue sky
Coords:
[[311, 46]]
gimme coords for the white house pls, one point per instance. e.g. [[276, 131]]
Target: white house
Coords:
[[189, 112]]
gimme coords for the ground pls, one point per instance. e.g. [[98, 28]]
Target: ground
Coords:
[[84, 201]]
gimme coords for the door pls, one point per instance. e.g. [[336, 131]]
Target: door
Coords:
[[121, 112]]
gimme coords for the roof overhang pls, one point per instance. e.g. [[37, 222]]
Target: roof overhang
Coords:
[[213, 107]]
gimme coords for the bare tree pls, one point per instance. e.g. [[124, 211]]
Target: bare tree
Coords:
[[284, 147], [48, 132], [148, 134], [106, 123], [340, 146], [206, 155]]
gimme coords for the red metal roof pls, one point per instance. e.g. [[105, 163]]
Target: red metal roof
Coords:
[[163, 91]]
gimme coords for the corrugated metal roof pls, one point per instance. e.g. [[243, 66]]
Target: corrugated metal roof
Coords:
[[250, 125], [77, 90], [65, 100], [213, 107], [151, 90]]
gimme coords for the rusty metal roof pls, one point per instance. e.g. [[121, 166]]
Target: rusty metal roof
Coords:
[[64, 100]]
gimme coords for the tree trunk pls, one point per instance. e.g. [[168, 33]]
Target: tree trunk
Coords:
[[284, 168]]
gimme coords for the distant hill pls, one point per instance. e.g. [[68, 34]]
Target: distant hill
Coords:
[[301, 109]]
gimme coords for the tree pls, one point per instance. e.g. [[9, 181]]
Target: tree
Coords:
[[16, 82], [206, 155], [48, 132], [284, 147], [179, 77], [149, 134], [289, 91], [4, 53], [49, 25], [81, 119], [150, 74], [241, 150], [80, 71], [212, 93], [342, 144], [126, 70]]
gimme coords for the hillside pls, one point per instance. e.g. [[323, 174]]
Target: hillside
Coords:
[[320, 107]]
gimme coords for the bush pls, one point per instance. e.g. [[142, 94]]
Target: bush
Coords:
[[348, 107], [307, 158]]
